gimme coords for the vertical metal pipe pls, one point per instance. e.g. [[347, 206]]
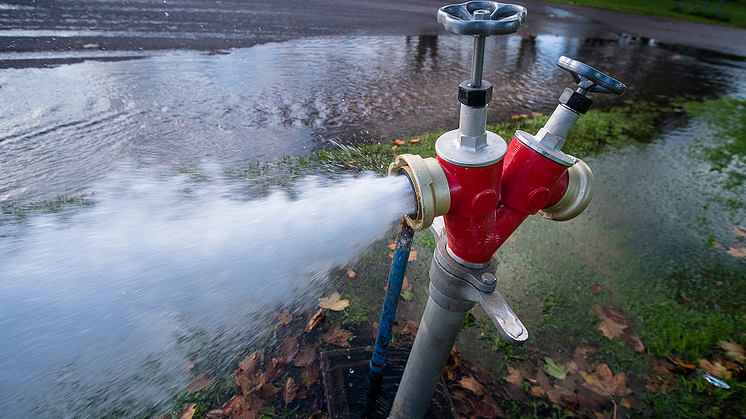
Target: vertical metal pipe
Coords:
[[393, 291], [477, 62], [435, 338]]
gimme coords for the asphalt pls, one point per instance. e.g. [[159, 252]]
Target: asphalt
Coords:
[[69, 25], [723, 40]]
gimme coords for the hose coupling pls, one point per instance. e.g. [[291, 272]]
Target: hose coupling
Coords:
[[430, 187], [580, 188]]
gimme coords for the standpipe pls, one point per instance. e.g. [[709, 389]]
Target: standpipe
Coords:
[[484, 189]]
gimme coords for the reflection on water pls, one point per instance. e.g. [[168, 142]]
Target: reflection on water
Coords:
[[66, 126]]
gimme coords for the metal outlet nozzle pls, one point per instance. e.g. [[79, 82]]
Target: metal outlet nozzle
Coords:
[[430, 188], [580, 188]]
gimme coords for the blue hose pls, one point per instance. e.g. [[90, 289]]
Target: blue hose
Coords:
[[390, 304]]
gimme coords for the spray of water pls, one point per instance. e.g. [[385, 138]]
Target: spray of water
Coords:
[[110, 303]]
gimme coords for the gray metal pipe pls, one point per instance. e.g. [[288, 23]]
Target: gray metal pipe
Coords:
[[435, 338]]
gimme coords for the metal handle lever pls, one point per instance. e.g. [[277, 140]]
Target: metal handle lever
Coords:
[[464, 19], [589, 79], [507, 323]]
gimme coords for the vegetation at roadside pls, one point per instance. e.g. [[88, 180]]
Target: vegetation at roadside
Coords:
[[732, 13]]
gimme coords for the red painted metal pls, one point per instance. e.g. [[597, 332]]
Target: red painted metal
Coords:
[[488, 203]]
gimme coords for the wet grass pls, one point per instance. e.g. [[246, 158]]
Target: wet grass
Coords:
[[732, 13]]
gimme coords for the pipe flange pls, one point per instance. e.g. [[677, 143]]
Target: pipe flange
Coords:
[[580, 188], [430, 188]]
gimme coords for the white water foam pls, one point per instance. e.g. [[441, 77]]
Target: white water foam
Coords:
[[111, 302]]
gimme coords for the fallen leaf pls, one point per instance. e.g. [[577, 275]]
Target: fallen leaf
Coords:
[[414, 141], [310, 376], [581, 356], [538, 391], [274, 369], [305, 357], [315, 319], [632, 403], [287, 350], [633, 342], [447, 375], [407, 295], [536, 114], [604, 383], [727, 363], [471, 384], [479, 373], [514, 376], [677, 361], [660, 366], [524, 115], [334, 303], [733, 350], [511, 239], [202, 381], [716, 369], [398, 142], [515, 116], [392, 246], [248, 364], [454, 358], [738, 231], [684, 301], [660, 383], [391, 255], [190, 366], [350, 273], [717, 245], [739, 252], [410, 328], [406, 285], [613, 323], [187, 411], [214, 414], [412, 255], [284, 317], [291, 390], [596, 288], [336, 336], [556, 371]]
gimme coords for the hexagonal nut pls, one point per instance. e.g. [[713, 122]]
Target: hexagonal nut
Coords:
[[475, 96], [575, 101]]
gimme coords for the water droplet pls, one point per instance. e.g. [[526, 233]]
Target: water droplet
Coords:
[[348, 357], [352, 371], [350, 384]]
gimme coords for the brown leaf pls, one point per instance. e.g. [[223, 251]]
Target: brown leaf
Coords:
[[315, 320], [471, 384], [603, 382], [412, 255], [267, 391], [202, 381], [334, 303], [414, 141], [336, 336], [716, 369], [632, 403], [717, 245], [249, 363], [305, 357], [514, 376], [187, 411], [684, 301], [291, 390], [538, 391], [660, 383], [447, 375], [406, 285], [480, 374], [633, 342], [275, 368], [596, 288], [739, 252], [555, 395], [214, 414], [287, 350], [410, 328], [738, 231], [613, 323], [310, 376], [398, 142], [733, 350], [581, 357], [284, 317], [454, 358], [392, 245], [350, 273]]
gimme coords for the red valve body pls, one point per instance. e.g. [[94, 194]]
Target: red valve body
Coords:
[[489, 203]]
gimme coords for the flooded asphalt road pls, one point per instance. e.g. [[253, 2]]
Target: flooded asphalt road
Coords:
[[87, 84]]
